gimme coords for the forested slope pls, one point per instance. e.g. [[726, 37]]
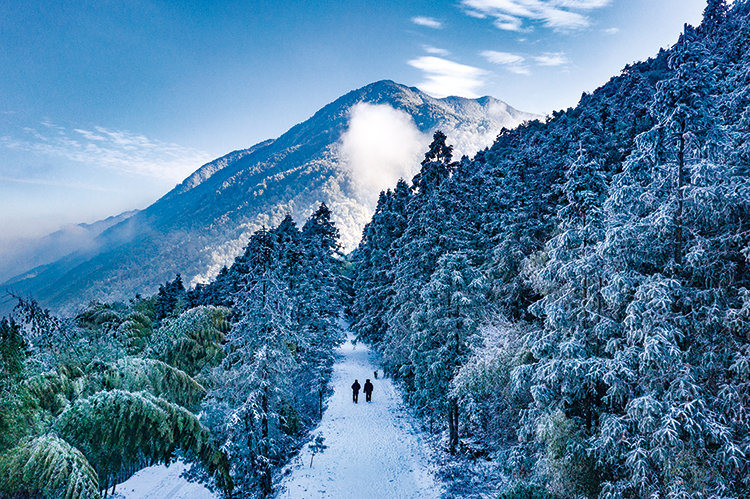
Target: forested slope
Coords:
[[230, 377], [576, 296], [206, 221], [573, 302]]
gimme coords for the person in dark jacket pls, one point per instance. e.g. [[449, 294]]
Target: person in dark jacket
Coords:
[[355, 391], [368, 390]]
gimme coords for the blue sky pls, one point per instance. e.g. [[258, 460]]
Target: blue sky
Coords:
[[106, 105]]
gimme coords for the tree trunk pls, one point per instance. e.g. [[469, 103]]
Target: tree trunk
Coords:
[[585, 257], [678, 214], [320, 406], [453, 425], [266, 485]]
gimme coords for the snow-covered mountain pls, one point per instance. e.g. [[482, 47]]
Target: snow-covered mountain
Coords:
[[343, 156]]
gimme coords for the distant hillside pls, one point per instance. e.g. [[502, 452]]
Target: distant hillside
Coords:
[[28, 254], [334, 157]]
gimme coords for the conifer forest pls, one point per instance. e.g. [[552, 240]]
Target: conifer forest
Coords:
[[572, 303]]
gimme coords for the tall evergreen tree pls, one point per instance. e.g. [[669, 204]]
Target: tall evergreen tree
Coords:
[[373, 282], [171, 299], [250, 384], [443, 332]]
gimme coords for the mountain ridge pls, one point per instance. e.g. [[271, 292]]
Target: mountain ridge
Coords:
[[204, 222]]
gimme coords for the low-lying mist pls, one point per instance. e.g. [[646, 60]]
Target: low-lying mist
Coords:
[[380, 146]]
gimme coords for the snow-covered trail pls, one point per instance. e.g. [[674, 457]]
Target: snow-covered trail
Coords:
[[373, 449], [161, 482]]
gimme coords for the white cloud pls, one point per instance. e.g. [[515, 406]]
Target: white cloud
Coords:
[[89, 135], [113, 149], [427, 21], [47, 123], [502, 57], [611, 31], [444, 77], [507, 23], [551, 59], [512, 62], [556, 14], [434, 50], [581, 4], [374, 167]]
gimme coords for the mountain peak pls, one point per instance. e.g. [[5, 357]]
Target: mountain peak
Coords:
[[203, 223]]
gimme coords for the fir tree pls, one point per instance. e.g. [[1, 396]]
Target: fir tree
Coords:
[[373, 281], [250, 383], [443, 332], [171, 299]]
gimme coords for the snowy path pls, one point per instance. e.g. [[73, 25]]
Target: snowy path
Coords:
[[373, 450], [161, 482]]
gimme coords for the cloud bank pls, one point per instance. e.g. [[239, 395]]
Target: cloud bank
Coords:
[[512, 15], [444, 77], [113, 149], [380, 146]]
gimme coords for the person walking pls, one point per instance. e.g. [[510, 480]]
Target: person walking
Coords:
[[368, 390], [355, 391]]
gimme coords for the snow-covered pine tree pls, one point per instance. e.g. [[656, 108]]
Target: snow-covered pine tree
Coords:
[[320, 295], [670, 283], [13, 352], [444, 329], [246, 405], [17, 406], [414, 255], [437, 165], [487, 397], [171, 299], [373, 281], [567, 382], [319, 302]]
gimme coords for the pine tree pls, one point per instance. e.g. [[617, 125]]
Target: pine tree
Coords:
[[714, 15], [13, 353], [171, 299], [373, 281], [436, 166], [250, 385], [443, 332], [415, 253]]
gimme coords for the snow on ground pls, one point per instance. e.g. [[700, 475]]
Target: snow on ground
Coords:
[[161, 482], [373, 449]]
